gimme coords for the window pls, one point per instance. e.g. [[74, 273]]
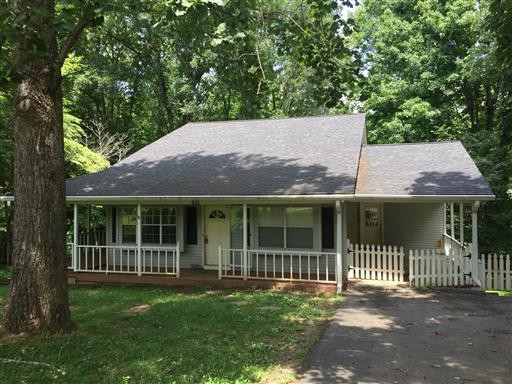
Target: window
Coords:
[[129, 225], [191, 224], [327, 227], [299, 227], [158, 225], [271, 227], [290, 227]]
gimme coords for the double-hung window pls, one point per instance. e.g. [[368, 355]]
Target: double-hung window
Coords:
[[158, 225], [281, 227]]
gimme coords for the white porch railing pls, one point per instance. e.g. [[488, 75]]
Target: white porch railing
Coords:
[[127, 259], [376, 262], [319, 267], [451, 245]]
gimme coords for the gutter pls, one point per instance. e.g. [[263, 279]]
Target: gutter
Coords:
[[424, 198], [343, 197]]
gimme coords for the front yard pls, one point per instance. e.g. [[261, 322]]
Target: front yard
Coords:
[[157, 335]]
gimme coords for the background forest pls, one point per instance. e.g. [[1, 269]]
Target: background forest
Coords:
[[422, 70]]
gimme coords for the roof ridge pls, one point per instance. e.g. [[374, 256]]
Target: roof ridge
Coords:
[[421, 143], [271, 119]]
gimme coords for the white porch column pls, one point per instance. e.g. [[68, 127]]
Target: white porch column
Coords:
[[444, 217], [75, 238], [244, 228], [474, 243], [452, 222], [139, 240], [344, 249], [340, 244], [461, 223]]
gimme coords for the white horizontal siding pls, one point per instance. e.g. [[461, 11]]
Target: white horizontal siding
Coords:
[[413, 225]]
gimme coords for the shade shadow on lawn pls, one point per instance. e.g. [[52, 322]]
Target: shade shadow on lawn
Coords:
[[182, 337]]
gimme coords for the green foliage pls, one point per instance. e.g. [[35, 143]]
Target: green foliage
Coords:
[[79, 158], [181, 337]]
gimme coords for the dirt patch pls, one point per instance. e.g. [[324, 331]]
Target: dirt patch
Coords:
[[136, 309]]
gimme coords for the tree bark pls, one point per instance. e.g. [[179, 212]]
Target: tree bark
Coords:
[[38, 299]]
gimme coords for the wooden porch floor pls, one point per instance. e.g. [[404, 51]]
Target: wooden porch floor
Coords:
[[197, 278]]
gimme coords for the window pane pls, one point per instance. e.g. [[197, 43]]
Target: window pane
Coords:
[[129, 216], [168, 215], [129, 233], [151, 234], [299, 238], [168, 234], [271, 237], [299, 217], [270, 216], [150, 215]]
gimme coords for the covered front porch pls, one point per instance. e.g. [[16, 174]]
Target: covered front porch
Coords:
[[306, 243]]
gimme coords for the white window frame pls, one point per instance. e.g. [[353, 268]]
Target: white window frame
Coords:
[[285, 234], [160, 207]]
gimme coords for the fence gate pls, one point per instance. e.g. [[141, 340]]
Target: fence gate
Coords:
[[429, 268], [372, 262]]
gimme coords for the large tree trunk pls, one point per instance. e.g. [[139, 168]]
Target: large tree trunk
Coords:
[[38, 298]]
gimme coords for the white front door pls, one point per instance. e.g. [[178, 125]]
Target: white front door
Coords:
[[371, 223], [216, 229]]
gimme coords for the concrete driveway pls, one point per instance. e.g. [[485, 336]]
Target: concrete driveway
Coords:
[[389, 333]]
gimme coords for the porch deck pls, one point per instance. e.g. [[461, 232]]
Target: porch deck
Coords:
[[199, 279]]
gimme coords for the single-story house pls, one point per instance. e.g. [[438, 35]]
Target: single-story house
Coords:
[[284, 199]]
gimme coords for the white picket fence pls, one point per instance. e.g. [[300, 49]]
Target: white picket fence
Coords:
[[372, 262], [494, 272], [429, 268]]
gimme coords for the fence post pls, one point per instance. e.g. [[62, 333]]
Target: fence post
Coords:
[[411, 260], [178, 268], [220, 262]]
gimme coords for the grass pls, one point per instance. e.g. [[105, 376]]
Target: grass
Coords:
[[189, 336], [501, 293]]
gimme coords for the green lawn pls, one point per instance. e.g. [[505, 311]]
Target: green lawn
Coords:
[[191, 336]]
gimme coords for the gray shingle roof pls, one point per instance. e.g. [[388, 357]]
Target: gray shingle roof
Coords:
[[419, 169], [306, 156]]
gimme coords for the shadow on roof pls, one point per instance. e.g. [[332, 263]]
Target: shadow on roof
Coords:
[[197, 173], [448, 183]]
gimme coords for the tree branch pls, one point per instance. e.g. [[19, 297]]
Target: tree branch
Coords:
[[73, 37]]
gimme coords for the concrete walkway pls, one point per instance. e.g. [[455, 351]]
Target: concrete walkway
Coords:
[[389, 333]]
